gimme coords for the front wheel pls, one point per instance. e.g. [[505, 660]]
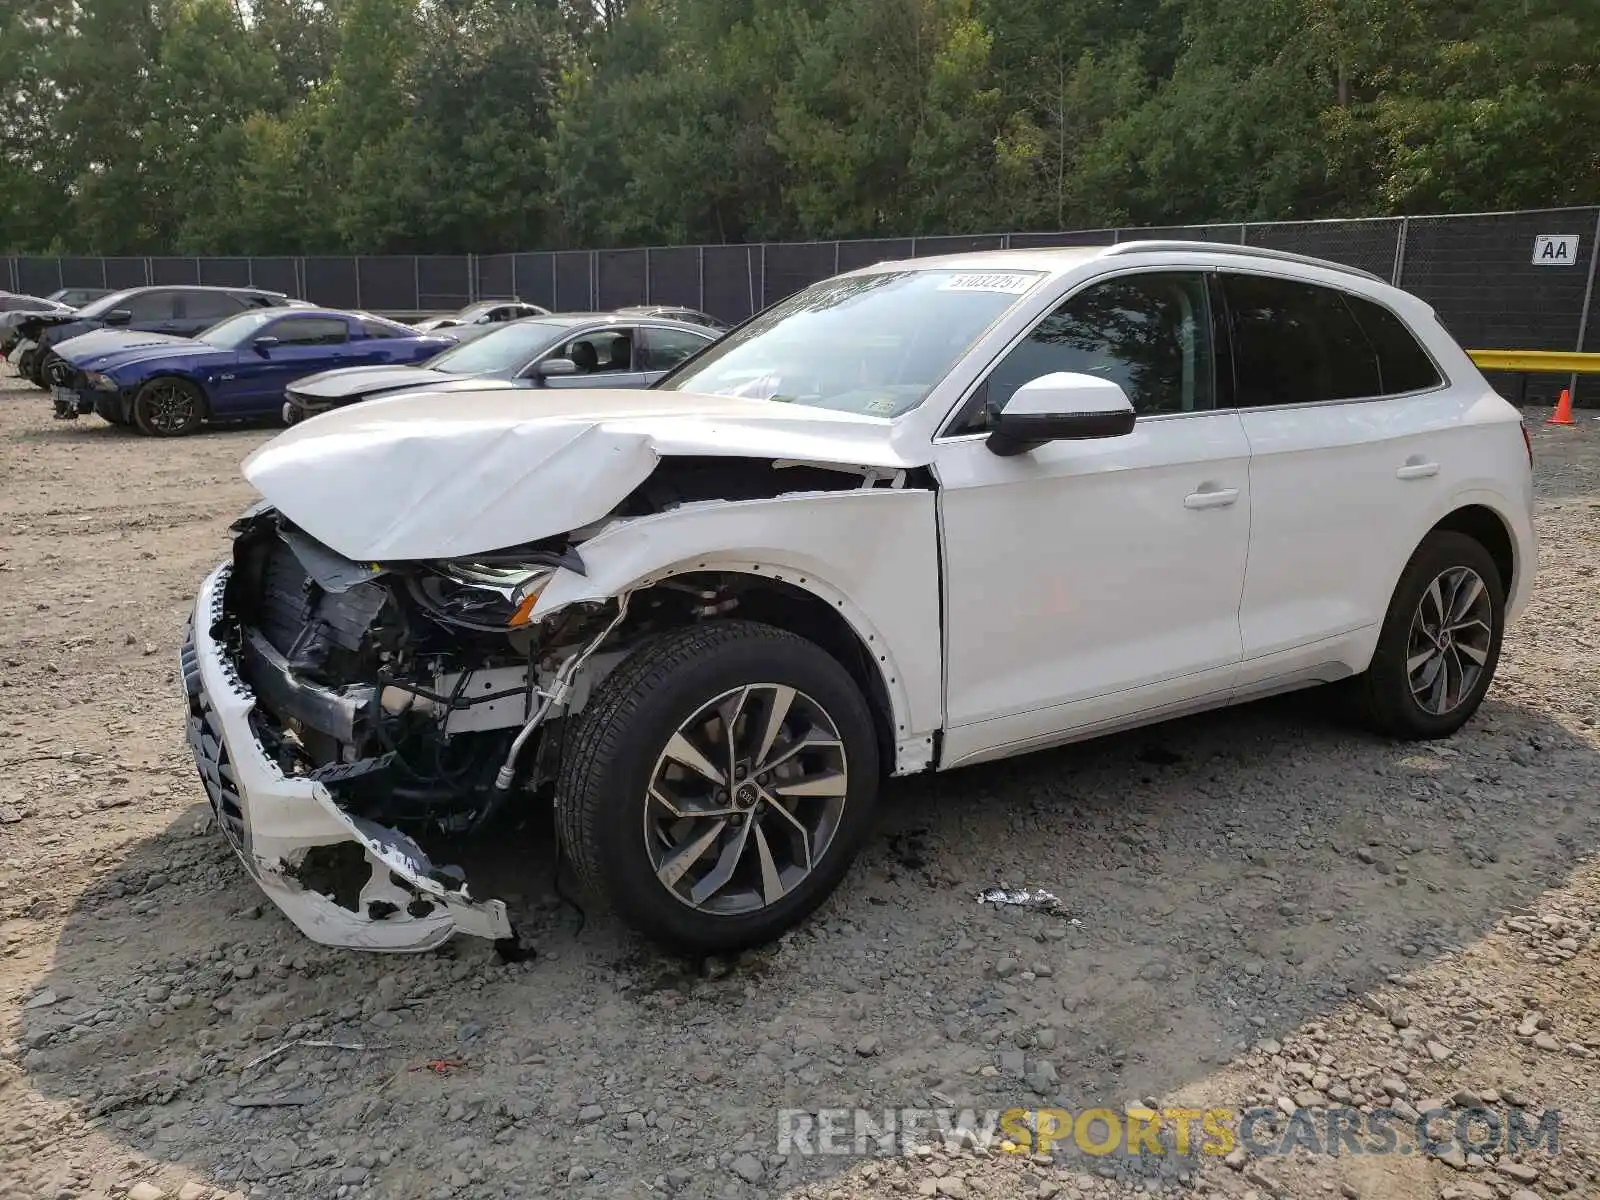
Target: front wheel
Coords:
[[718, 784], [168, 408], [42, 361], [1440, 643]]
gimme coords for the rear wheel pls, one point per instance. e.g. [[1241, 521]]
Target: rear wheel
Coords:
[[168, 407], [718, 784], [1440, 643]]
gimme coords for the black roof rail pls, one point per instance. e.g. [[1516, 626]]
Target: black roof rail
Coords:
[[1138, 247]]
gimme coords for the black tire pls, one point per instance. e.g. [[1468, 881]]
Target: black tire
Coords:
[[40, 375], [1384, 692], [612, 755], [25, 365], [168, 407]]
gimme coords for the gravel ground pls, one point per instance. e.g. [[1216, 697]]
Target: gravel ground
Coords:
[[1259, 906]]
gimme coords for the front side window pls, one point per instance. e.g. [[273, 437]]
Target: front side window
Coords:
[[152, 306], [874, 344], [309, 331], [110, 302], [600, 352], [235, 331], [1296, 343], [666, 348], [1148, 333], [503, 352]]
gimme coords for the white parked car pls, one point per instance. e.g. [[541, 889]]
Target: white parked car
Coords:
[[916, 517]]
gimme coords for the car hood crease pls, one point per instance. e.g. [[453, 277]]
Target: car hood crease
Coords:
[[417, 476]]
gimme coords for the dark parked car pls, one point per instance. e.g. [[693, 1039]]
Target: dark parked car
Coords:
[[486, 312], [182, 311], [692, 316], [77, 297], [565, 350], [166, 386]]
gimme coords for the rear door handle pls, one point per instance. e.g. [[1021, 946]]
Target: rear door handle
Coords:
[[1417, 468], [1211, 497]]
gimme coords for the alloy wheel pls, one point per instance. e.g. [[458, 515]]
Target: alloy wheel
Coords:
[[170, 408], [745, 799], [1450, 639]]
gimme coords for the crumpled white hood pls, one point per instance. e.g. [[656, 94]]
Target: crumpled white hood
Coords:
[[420, 476]]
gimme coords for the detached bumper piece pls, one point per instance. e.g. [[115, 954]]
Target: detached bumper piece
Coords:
[[70, 403], [342, 880]]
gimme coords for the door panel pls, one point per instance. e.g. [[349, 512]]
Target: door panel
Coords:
[[305, 348], [1340, 473], [1081, 582], [1335, 512], [1086, 581]]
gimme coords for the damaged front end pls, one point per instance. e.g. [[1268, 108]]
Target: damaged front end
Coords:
[[345, 715]]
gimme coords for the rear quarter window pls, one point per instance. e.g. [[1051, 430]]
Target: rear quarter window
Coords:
[[1403, 365]]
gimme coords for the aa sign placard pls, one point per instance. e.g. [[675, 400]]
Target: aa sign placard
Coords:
[[1555, 250]]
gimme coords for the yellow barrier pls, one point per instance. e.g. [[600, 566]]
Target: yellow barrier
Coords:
[[1556, 362]]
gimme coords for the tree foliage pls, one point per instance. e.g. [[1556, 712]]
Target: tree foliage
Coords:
[[374, 126]]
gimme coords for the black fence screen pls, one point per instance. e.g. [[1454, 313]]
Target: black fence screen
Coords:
[[622, 276], [574, 273], [675, 276], [1482, 273]]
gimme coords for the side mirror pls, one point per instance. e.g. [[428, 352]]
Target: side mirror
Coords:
[[1064, 406], [118, 316], [263, 344], [555, 366]]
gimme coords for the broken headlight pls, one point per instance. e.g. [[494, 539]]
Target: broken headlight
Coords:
[[479, 595]]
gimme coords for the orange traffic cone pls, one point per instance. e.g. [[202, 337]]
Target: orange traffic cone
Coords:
[[1563, 413]]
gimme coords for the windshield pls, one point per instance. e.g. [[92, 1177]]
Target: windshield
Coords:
[[100, 307], [871, 344], [504, 352], [235, 331]]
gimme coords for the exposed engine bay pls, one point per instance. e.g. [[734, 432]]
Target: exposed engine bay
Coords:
[[404, 690], [421, 695], [356, 722]]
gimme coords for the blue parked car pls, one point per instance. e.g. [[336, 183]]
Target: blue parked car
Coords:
[[167, 386]]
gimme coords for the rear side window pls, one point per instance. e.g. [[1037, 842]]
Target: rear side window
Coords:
[[1403, 365], [666, 348], [1296, 343], [309, 331], [210, 306]]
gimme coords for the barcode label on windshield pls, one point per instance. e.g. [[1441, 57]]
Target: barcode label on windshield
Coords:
[[989, 281]]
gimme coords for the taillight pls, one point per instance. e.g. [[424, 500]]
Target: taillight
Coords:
[[1527, 442]]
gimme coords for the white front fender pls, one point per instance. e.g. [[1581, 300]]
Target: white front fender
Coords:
[[871, 554]]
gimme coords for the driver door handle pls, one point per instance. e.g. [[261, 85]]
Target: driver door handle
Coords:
[[1211, 496]]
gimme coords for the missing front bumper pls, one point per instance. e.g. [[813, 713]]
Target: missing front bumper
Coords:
[[275, 822]]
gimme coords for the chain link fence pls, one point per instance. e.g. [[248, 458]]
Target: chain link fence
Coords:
[[1479, 272]]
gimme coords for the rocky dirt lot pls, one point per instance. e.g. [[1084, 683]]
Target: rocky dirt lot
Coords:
[[1259, 907]]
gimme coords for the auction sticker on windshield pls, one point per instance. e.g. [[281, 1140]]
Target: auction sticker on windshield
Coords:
[[989, 281]]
